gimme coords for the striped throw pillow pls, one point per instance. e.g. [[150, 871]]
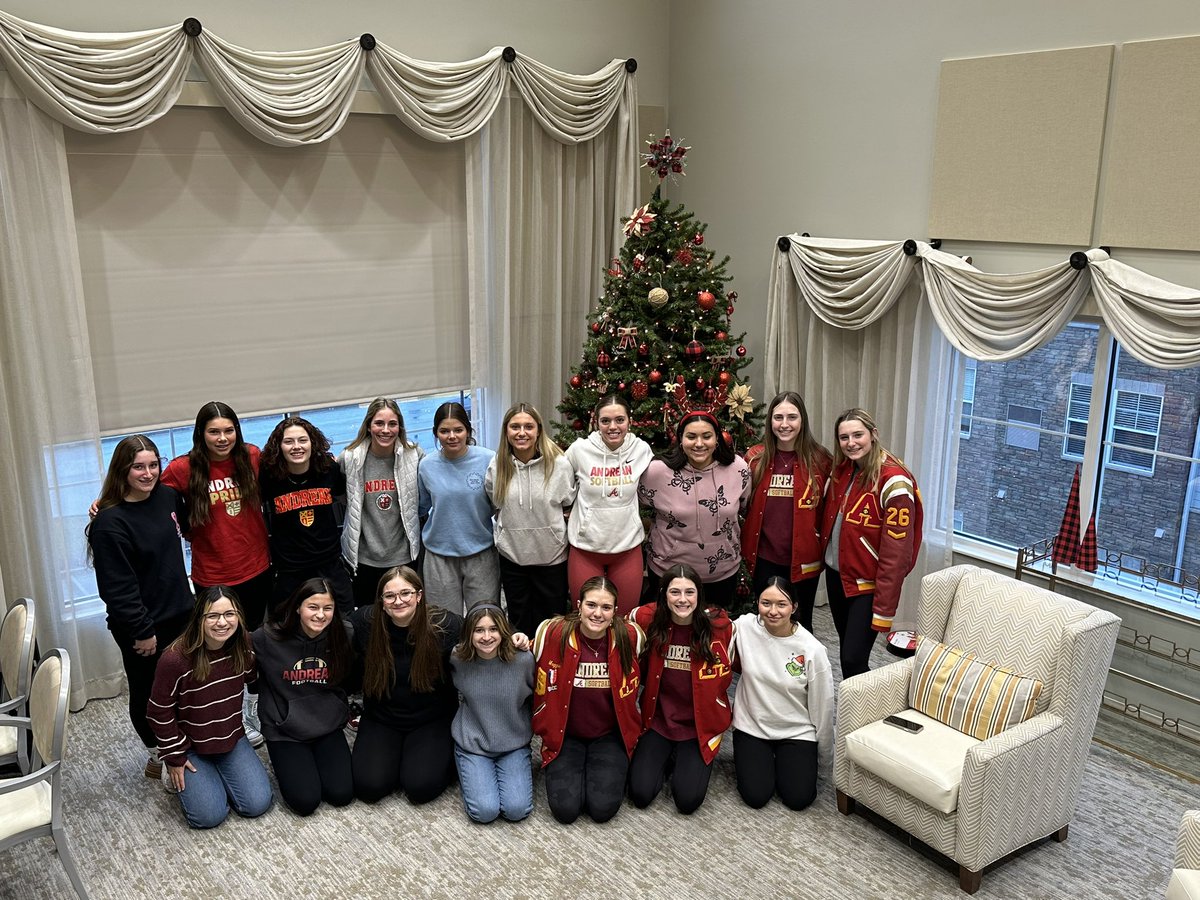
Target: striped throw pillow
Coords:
[[968, 694]]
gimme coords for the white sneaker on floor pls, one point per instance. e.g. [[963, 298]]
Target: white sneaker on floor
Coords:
[[250, 721]]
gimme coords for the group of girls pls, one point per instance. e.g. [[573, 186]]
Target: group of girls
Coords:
[[547, 526]]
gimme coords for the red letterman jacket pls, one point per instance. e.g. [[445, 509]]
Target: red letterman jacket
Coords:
[[881, 533], [808, 494], [710, 683], [555, 676]]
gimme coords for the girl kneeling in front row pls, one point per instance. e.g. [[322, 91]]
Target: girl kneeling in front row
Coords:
[[491, 728], [585, 704], [685, 708], [304, 663], [195, 711], [783, 710]]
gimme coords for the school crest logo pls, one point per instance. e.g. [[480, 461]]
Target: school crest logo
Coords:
[[306, 517], [233, 507], [383, 502]]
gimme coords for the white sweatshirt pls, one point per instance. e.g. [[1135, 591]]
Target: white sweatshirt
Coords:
[[786, 689], [605, 518], [530, 528]]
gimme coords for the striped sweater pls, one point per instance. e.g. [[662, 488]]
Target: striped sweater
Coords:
[[187, 715]]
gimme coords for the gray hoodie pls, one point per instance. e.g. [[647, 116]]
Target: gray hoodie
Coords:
[[605, 518], [530, 525]]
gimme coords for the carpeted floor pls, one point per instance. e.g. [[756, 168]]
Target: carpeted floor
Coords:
[[131, 842]]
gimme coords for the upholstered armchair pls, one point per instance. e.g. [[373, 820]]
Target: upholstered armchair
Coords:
[[977, 800], [1185, 880]]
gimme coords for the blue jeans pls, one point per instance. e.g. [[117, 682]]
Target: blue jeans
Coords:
[[236, 779], [496, 785]]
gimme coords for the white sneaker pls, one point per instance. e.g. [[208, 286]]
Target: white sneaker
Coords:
[[167, 783], [250, 721]]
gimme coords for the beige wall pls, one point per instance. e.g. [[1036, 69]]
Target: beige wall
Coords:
[[819, 117], [572, 35]]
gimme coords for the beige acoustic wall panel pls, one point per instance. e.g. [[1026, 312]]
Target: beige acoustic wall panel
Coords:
[[1152, 180], [1017, 149]]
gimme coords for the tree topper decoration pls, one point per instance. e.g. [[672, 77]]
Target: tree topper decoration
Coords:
[[665, 157]]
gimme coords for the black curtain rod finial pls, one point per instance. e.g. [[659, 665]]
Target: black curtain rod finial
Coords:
[[910, 247], [806, 234], [935, 243], [509, 54], [784, 244], [631, 65], [367, 41], [192, 27], [1079, 260], [1107, 250]]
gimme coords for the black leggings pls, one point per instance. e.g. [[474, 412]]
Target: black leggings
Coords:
[[852, 619], [587, 776], [311, 771], [418, 761], [139, 672], [804, 592], [647, 772], [766, 767], [533, 593]]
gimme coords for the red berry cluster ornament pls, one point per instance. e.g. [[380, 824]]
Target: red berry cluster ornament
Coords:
[[683, 256], [665, 156], [639, 390]]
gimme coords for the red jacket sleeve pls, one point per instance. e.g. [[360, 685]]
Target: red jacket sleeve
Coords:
[[897, 546]]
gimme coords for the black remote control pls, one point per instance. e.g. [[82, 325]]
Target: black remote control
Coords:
[[905, 724]]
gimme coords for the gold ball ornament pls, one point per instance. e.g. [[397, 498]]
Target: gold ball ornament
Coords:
[[658, 297]]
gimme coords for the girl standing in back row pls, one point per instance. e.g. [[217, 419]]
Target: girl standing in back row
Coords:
[[872, 532]]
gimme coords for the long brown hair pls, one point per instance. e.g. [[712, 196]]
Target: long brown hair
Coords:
[[116, 479], [466, 651], [809, 450], [272, 463], [869, 468], [199, 503], [424, 636], [505, 468], [191, 643], [364, 430], [658, 635], [569, 623], [337, 642]]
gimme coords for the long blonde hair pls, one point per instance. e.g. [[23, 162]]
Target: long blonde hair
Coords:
[[546, 448], [870, 467]]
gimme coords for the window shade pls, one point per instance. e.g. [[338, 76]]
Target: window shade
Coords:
[[218, 267]]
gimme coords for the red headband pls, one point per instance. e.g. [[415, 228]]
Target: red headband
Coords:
[[699, 413]]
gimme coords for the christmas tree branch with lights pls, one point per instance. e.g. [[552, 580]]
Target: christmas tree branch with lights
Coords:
[[661, 333]]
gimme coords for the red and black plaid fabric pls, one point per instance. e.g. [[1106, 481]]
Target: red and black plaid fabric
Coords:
[[1066, 545], [1087, 550]]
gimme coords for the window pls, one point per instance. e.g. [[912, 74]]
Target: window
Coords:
[[1079, 402], [968, 398], [1011, 490], [1024, 423], [1133, 437]]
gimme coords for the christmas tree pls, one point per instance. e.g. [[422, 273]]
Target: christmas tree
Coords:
[[660, 335]]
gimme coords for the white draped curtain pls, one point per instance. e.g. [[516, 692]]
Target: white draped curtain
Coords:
[[552, 166], [873, 323]]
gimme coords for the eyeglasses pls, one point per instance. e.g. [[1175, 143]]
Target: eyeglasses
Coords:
[[213, 618], [406, 594]]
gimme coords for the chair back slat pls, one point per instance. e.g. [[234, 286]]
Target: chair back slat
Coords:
[[16, 650], [48, 703]]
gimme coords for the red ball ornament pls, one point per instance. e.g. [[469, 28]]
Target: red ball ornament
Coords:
[[679, 380], [698, 239], [578, 425], [695, 349], [728, 437], [701, 384], [643, 349], [603, 360], [721, 335], [655, 376], [710, 395], [620, 385], [722, 378], [729, 310], [741, 350], [639, 390], [596, 328], [706, 300], [576, 382]]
